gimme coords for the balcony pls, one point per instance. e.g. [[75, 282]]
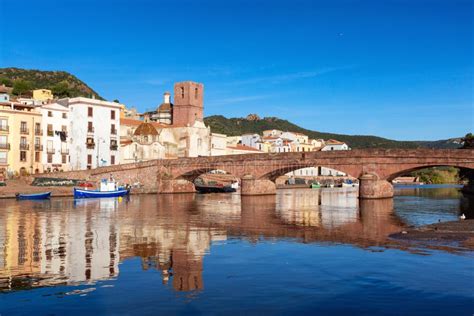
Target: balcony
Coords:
[[24, 146], [64, 151], [90, 131], [38, 147], [113, 131], [5, 146], [24, 131], [50, 150], [38, 131], [90, 145], [4, 128], [50, 133], [113, 147]]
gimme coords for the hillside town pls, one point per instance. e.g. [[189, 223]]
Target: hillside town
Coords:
[[42, 134]]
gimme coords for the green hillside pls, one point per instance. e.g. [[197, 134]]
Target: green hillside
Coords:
[[62, 83], [253, 124]]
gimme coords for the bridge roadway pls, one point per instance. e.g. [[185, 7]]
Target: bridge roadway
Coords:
[[375, 168]]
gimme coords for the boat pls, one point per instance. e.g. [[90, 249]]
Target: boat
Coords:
[[315, 185], [203, 188], [82, 194], [108, 189], [33, 196]]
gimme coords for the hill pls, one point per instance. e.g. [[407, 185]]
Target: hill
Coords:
[[253, 124], [62, 83]]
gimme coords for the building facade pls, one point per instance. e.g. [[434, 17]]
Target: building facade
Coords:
[[94, 132], [54, 145]]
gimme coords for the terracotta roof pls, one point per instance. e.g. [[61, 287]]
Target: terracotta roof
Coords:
[[165, 107], [243, 147], [334, 142], [133, 122], [145, 129], [270, 137]]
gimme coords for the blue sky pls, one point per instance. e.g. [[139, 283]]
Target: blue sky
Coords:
[[401, 69]]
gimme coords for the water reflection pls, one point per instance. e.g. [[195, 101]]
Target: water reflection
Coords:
[[68, 242]]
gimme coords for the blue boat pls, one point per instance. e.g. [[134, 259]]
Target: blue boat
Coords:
[[82, 194], [33, 196]]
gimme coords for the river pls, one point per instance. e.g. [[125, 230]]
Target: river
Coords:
[[301, 251]]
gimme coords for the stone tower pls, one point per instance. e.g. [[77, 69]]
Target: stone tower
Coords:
[[188, 103]]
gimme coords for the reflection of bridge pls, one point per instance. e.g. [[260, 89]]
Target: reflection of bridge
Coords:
[[373, 167]]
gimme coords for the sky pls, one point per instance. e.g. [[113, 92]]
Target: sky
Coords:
[[401, 69]]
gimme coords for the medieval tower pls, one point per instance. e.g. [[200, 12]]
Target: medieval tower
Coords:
[[188, 103]]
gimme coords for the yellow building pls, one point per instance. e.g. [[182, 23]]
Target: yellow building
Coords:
[[42, 94], [20, 139]]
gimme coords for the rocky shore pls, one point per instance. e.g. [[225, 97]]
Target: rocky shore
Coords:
[[450, 234]]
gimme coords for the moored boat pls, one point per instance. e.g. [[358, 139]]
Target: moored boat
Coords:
[[33, 196], [202, 188], [81, 194]]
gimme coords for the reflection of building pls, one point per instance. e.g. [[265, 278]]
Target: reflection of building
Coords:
[[68, 247]]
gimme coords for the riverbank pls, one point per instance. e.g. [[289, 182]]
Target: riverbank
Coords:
[[451, 234]]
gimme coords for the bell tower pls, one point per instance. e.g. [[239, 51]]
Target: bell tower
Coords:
[[188, 103]]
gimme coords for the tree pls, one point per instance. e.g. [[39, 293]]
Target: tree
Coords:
[[21, 87], [468, 141], [61, 89], [7, 82], [116, 101]]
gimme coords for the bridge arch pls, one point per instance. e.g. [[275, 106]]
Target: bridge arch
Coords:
[[284, 169], [406, 170]]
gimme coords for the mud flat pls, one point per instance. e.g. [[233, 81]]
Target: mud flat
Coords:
[[450, 234]]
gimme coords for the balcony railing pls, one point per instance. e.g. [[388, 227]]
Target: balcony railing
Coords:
[[90, 145], [38, 147], [65, 151], [4, 128], [24, 131], [4, 146], [50, 150], [24, 146], [38, 131], [113, 147]]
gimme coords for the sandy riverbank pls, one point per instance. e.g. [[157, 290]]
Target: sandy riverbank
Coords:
[[23, 186], [456, 233]]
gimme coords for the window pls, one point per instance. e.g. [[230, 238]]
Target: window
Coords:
[[50, 130], [90, 112], [3, 142], [23, 127], [37, 128], [113, 131], [182, 92], [37, 156], [3, 157], [112, 114], [90, 128], [22, 155], [89, 159], [50, 158], [64, 115], [112, 160], [63, 158], [50, 114], [196, 93], [3, 125]]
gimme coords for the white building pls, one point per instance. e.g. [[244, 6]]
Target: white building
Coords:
[[94, 132], [218, 144], [333, 144], [251, 140], [272, 133], [55, 131]]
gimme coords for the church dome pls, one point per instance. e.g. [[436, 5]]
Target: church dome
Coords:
[[145, 129], [164, 107]]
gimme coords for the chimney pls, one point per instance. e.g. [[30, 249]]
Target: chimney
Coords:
[[166, 97]]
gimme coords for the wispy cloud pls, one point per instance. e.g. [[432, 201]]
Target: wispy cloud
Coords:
[[230, 100], [280, 78]]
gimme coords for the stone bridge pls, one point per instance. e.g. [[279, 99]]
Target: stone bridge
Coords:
[[375, 168]]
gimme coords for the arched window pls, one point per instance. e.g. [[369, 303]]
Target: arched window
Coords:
[[196, 93]]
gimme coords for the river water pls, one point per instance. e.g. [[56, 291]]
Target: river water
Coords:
[[303, 251]]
